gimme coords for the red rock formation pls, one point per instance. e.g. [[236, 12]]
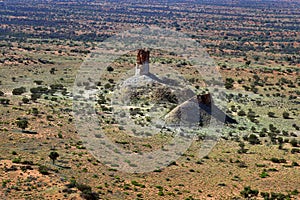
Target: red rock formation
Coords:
[[205, 99], [142, 56]]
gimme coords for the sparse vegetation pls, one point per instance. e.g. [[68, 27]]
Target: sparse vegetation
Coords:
[[44, 49]]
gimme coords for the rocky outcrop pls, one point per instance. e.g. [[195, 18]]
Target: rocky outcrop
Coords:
[[197, 111], [142, 62], [142, 56]]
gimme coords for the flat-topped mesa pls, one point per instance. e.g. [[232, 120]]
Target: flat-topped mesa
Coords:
[[142, 62]]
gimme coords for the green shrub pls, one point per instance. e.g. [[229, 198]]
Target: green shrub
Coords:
[[23, 124], [19, 91], [25, 100], [294, 150], [295, 192], [135, 183], [161, 193], [276, 160], [294, 142], [4, 101], [271, 114], [110, 69], [285, 115], [248, 192], [38, 82], [229, 83], [16, 160], [87, 192], [253, 139], [60, 135], [4, 183], [295, 164], [43, 170], [264, 174], [241, 113]]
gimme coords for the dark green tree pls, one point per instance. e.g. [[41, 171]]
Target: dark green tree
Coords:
[[23, 124], [53, 156]]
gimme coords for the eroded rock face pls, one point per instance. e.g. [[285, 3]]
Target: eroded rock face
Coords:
[[197, 111], [142, 56], [205, 99], [142, 62]]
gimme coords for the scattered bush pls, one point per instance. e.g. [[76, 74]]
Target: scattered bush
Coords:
[[23, 124], [271, 114], [135, 183], [294, 150], [253, 139], [19, 91], [25, 100], [294, 142], [285, 115], [43, 170], [264, 174], [241, 113], [38, 82], [276, 160], [87, 192], [229, 83], [249, 193], [4, 101], [110, 69], [16, 160]]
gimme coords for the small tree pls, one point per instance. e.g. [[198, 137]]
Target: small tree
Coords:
[[53, 156], [23, 124]]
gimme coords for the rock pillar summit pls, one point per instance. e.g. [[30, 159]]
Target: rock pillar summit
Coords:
[[142, 62]]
